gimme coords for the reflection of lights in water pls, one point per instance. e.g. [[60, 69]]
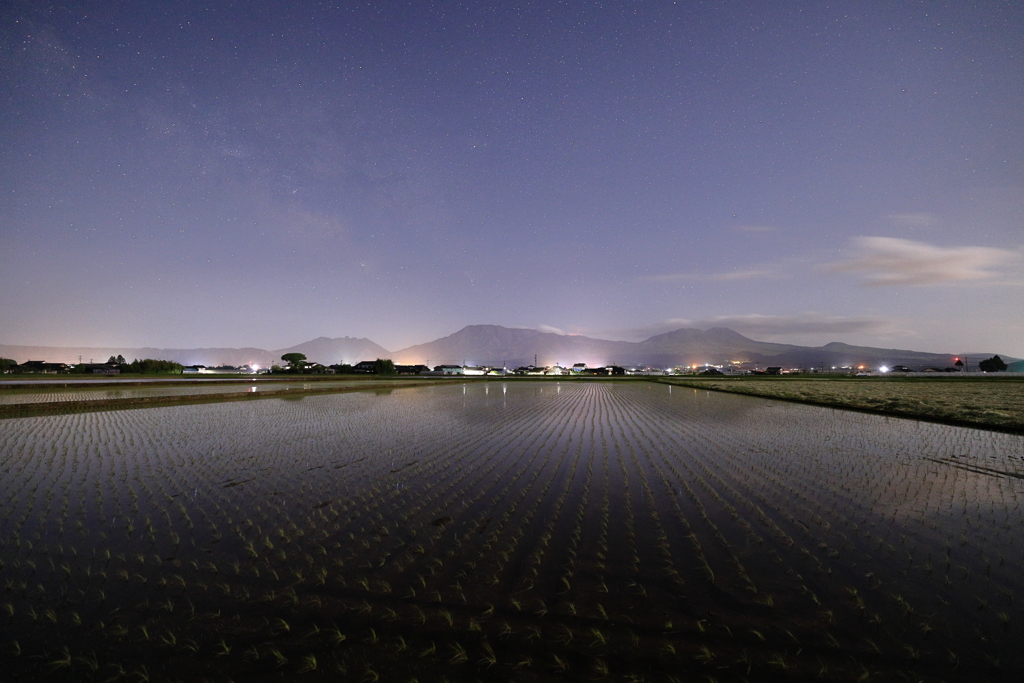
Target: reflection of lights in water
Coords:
[[487, 390], [252, 390]]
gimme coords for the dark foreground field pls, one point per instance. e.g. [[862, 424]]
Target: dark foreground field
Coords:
[[526, 532]]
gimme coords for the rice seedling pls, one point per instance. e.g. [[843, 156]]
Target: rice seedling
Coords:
[[593, 486]]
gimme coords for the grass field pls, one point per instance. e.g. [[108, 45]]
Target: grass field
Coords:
[[984, 402]]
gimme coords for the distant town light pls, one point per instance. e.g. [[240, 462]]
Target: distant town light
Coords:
[[883, 369]]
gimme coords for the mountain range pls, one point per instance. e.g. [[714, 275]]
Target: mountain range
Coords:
[[325, 350], [496, 345], [512, 347]]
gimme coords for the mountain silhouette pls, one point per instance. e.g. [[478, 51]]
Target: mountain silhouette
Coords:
[[513, 347]]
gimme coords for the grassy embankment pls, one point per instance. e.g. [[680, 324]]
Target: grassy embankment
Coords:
[[986, 402]]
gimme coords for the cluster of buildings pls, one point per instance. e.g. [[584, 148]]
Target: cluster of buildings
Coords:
[[370, 367], [478, 370], [220, 369], [41, 367]]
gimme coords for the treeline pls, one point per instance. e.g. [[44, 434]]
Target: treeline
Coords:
[[146, 366], [115, 365], [151, 366]]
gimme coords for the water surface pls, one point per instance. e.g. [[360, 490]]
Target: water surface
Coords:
[[519, 531]]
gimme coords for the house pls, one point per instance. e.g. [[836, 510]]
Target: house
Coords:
[[448, 369], [579, 368], [532, 370], [411, 369], [102, 369], [366, 367], [195, 370]]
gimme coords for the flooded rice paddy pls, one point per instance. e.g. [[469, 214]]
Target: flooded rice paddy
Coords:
[[43, 394], [520, 531]]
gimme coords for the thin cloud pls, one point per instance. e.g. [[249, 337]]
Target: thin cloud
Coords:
[[891, 261], [550, 329]]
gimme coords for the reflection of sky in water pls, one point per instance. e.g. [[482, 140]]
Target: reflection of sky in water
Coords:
[[796, 499], [101, 393]]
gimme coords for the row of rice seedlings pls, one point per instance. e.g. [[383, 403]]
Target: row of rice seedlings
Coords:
[[903, 539], [712, 523], [62, 394], [924, 627], [215, 584]]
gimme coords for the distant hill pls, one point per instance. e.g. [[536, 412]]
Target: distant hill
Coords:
[[208, 356], [495, 345], [321, 350], [338, 350], [513, 347]]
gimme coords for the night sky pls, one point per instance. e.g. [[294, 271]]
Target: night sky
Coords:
[[258, 174]]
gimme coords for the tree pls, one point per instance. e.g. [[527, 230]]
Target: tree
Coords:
[[384, 366], [295, 361], [152, 366], [993, 364]]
